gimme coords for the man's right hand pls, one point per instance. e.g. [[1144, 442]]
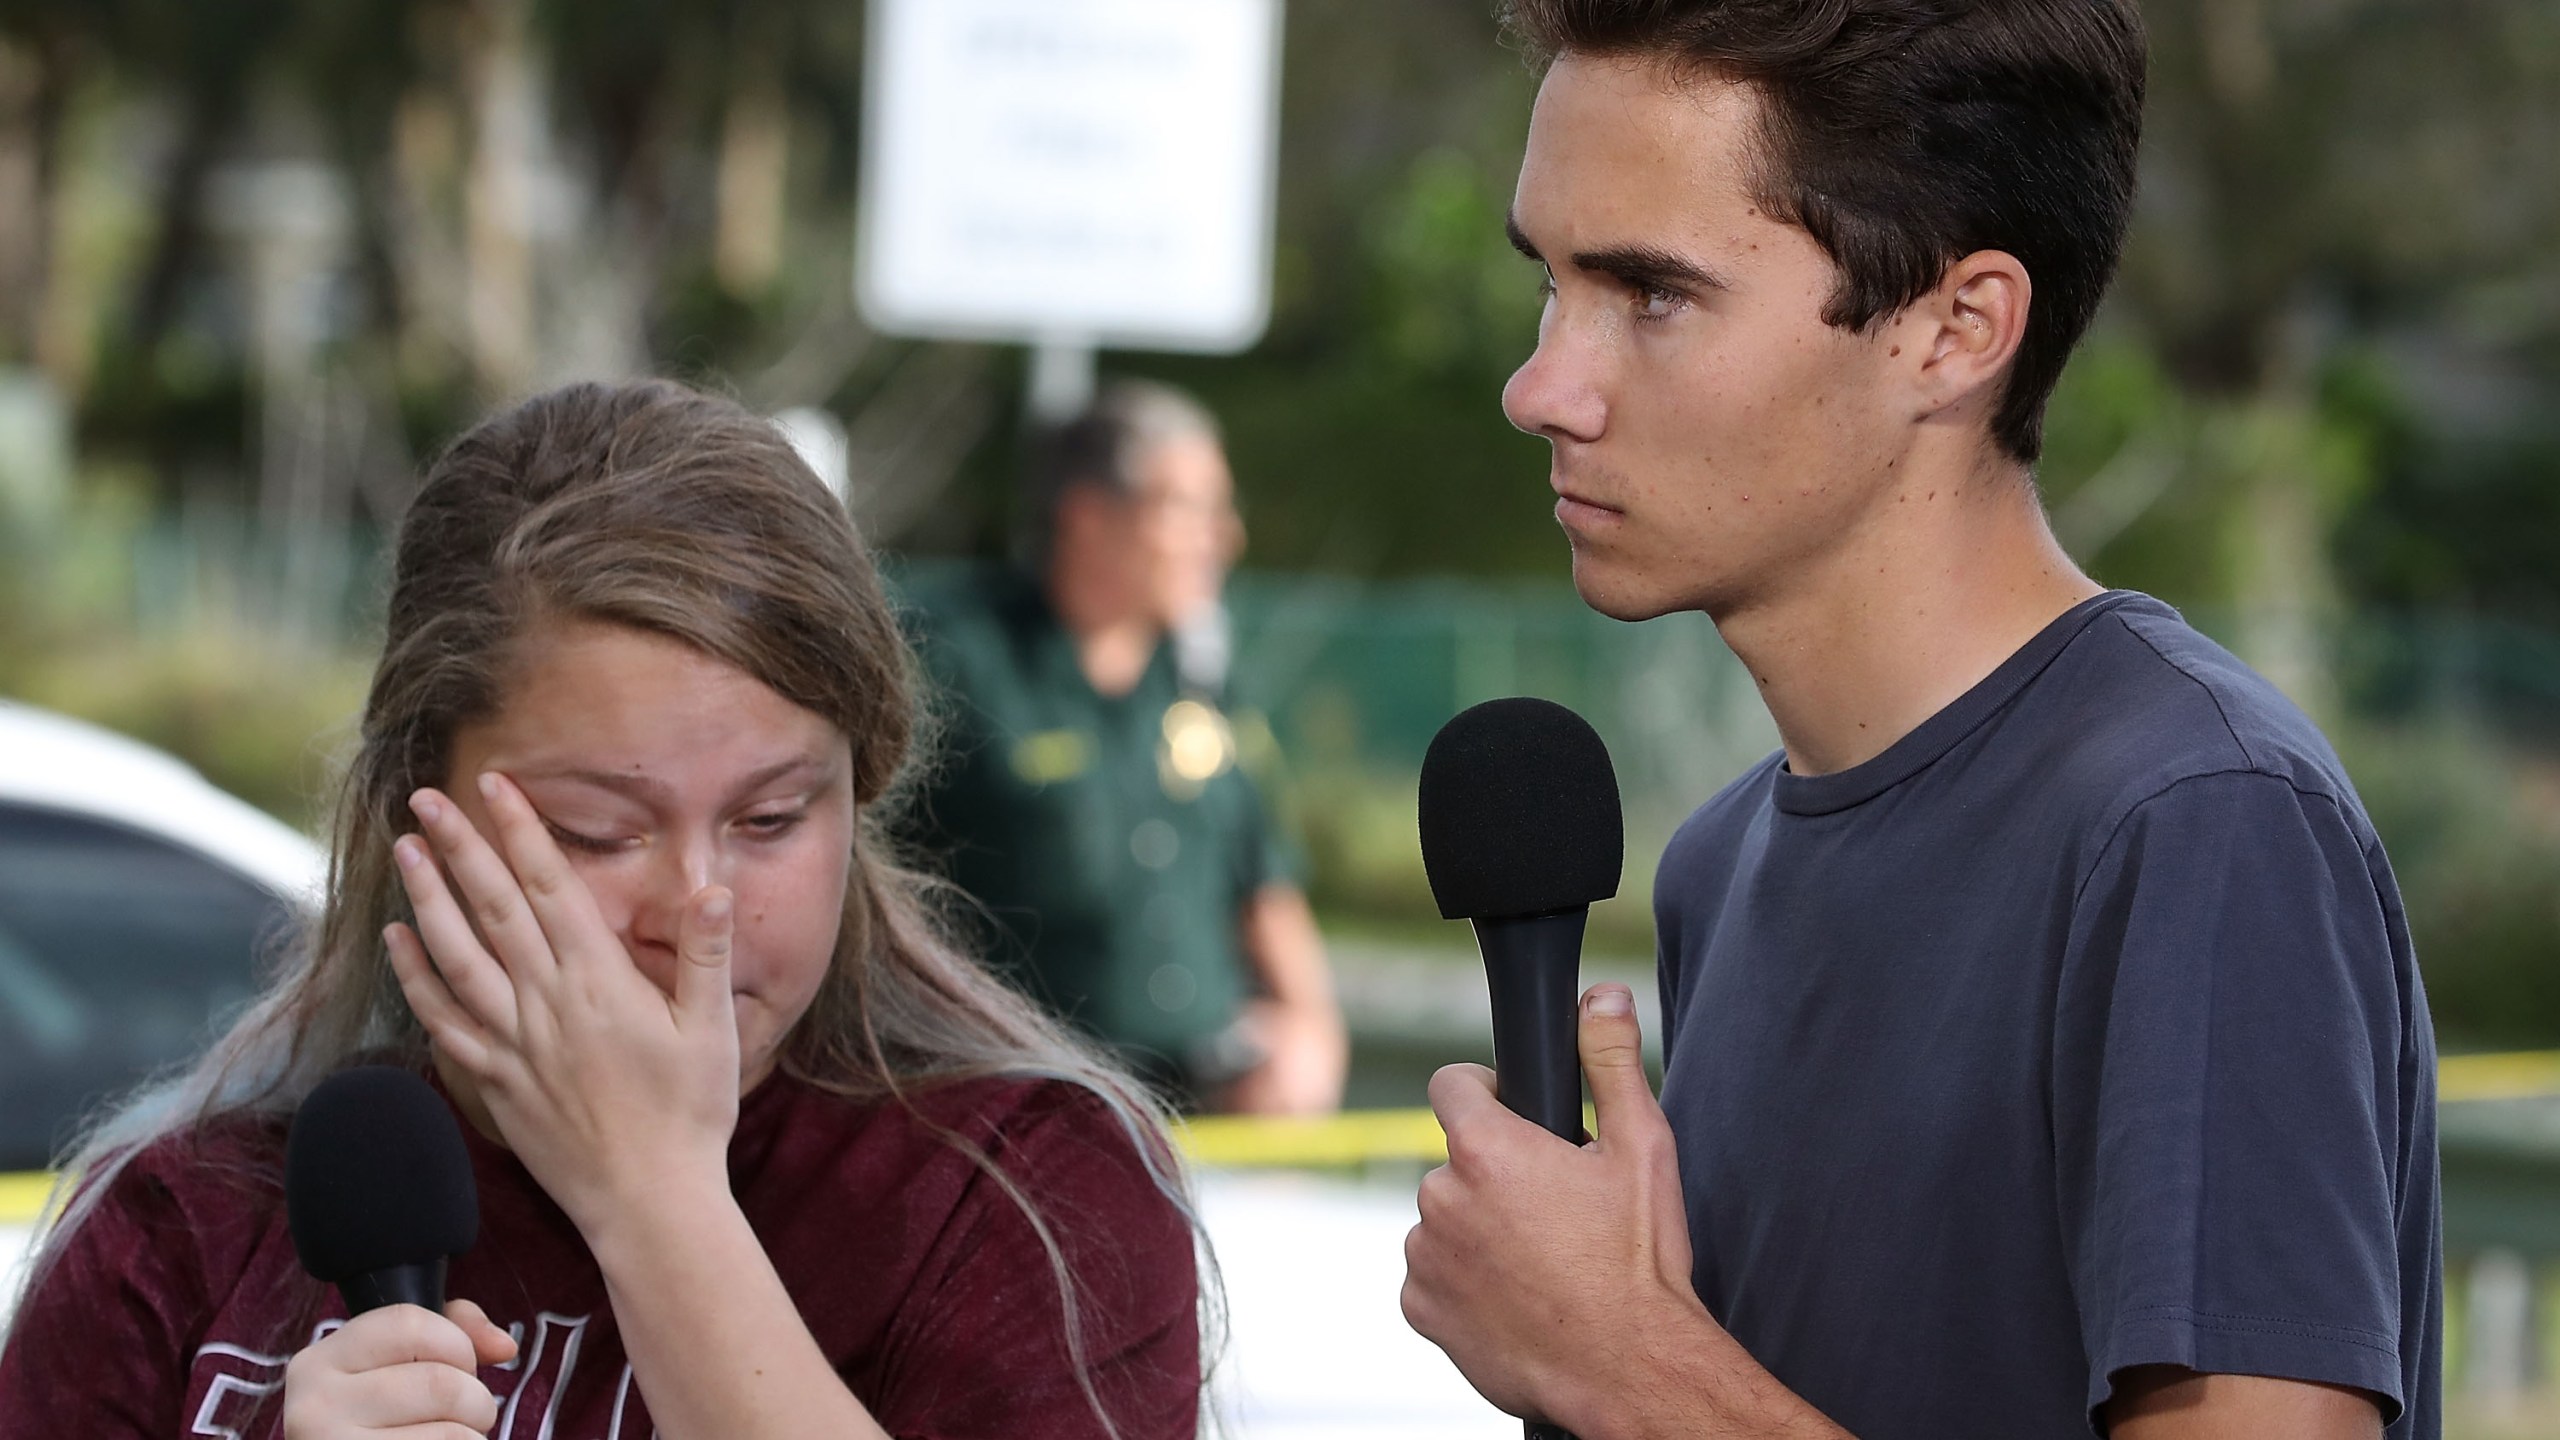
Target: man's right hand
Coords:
[[1557, 1277], [397, 1371]]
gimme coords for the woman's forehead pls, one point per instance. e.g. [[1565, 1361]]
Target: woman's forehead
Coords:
[[589, 696]]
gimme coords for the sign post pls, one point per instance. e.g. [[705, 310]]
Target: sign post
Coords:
[[1070, 174]]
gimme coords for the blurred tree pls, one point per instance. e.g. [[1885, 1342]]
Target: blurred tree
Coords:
[[2315, 170]]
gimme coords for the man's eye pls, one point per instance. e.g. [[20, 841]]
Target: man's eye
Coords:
[[779, 823], [1655, 303]]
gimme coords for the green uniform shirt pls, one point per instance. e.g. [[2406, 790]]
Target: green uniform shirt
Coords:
[[1112, 838]]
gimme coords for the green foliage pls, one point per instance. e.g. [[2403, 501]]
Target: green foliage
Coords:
[[263, 723], [258, 714], [2473, 832]]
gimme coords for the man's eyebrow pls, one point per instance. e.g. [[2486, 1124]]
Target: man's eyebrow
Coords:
[[1642, 266], [1648, 267], [1519, 238]]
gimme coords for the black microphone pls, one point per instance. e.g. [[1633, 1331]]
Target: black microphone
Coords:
[[377, 1188], [1521, 833]]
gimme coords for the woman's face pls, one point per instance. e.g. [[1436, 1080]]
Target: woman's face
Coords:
[[660, 770]]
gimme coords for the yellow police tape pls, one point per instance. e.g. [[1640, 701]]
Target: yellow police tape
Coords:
[[1386, 1137]]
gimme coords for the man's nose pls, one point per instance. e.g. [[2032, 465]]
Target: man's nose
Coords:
[[1555, 392]]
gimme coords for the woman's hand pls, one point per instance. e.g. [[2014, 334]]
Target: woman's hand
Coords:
[[399, 1371], [606, 1086]]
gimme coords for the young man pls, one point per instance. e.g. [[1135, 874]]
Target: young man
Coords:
[[2045, 1052], [1092, 800]]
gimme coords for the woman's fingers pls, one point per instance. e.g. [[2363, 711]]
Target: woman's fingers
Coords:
[[477, 981], [493, 1345], [497, 900], [450, 1023], [388, 1368], [703, 999], [541, 878], [422, 1392]]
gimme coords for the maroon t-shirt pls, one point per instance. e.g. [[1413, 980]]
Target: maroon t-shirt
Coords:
[[176, 1305]]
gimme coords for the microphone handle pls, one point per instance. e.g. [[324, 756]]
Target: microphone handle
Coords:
[[1533, 972], [421, 1284]]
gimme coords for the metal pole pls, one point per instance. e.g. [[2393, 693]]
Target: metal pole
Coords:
[[1061, 378]]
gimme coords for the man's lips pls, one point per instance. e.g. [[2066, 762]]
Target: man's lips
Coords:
[[1578, 511]]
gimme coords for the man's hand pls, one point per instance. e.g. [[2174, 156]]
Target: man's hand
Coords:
[[1306, 1054], [1299, 1029], [1557, 1277]]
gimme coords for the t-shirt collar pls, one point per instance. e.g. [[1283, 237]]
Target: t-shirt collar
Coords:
[[1935, 736]]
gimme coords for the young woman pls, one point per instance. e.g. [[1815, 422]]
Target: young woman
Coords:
[[758, 1151]]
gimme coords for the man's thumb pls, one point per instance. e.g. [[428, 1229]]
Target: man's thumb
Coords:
[[1613, 1053]]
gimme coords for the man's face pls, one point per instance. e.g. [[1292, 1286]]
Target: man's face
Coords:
[[1713, 438], [1173, 535]]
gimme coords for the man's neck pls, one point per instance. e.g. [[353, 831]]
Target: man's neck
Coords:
[[1113, 639], [1950, 577]]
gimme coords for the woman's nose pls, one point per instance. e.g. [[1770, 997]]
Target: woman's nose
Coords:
[[683, 865]]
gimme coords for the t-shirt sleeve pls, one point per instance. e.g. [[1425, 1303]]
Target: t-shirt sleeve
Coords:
[[1258, 848], [980, 1346], [2227, 1094], [96, 1348]]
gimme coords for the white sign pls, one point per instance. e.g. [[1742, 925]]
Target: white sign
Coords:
[[1070, 171]]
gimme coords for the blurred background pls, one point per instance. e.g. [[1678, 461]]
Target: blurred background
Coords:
[[258, 260]]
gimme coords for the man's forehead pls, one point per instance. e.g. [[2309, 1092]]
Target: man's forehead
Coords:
[[1626, 140]]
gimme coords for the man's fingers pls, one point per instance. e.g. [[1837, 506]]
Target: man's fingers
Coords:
[[1460, 1091], [702, 959], [1613, 1061]]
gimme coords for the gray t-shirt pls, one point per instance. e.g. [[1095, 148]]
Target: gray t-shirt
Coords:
[[2079, 1030]]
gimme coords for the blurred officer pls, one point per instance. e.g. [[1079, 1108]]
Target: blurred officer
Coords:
[[1090, 797]]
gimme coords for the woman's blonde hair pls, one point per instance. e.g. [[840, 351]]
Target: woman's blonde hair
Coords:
[[658, 507]]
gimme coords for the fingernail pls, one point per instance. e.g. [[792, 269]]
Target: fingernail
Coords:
[[426, 807], [489, 784], [1611, 1000], [405, 850], [715, 911]]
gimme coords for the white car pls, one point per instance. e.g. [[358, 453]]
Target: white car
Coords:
[[136, 902]]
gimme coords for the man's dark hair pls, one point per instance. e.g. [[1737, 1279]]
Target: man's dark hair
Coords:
[[1904, 135], [1104, 447]]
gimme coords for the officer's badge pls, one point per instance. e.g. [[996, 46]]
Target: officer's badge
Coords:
[[1199, 745], [1049, 756]]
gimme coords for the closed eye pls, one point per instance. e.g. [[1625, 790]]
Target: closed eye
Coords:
[[586, 844]]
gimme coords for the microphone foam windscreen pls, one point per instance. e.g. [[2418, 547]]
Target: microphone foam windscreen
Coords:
[[1519, 812], [375, 1175]]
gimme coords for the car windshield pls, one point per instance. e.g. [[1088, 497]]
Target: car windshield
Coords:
[[118, 951]]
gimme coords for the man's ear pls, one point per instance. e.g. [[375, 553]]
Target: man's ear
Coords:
[[1965, 333]]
